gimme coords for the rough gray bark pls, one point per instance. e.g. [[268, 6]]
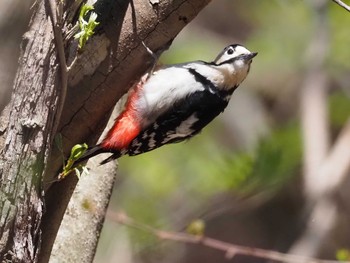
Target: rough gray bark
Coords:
[[108, 65], [27, 139]]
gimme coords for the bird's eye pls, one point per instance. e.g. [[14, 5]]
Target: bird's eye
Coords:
[[230, 51]]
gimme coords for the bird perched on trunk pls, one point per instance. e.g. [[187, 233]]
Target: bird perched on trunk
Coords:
[[174, 103]]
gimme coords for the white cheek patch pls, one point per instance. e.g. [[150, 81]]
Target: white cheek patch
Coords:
[[239, 64]]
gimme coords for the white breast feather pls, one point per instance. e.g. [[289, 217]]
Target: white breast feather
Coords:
[[163, 89]]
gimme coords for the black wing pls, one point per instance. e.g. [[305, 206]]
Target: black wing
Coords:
[[195, 111]]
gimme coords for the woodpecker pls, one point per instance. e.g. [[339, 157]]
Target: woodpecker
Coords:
[[174, 103]]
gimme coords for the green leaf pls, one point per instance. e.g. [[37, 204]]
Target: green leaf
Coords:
[[343, 255], [86, 27], [196, 227], [77, 151]]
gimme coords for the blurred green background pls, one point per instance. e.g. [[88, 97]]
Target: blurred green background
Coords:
[[242, 174]]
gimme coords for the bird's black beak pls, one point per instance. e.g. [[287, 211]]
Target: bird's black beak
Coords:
[[247, 57], [254, 54], [250, 56]]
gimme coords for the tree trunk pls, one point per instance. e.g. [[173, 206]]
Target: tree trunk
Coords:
[[29, 119], [104, 70]]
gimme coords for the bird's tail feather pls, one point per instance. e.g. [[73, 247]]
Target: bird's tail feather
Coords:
[[111, 158], [95, 150], [91, 152]]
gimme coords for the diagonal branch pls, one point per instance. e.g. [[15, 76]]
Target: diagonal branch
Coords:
[[229, 249], [342, 4]]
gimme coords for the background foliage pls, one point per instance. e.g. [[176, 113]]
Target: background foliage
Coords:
[[243, 172]]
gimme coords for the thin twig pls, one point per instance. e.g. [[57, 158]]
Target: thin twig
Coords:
[[56, 14], [229, 249], [342, 4], [154, 56]]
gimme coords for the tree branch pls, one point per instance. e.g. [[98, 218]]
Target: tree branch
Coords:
[[342, 4], [229, 249], [111, 61], [56, 14]]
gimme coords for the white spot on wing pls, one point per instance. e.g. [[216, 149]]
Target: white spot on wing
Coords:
[[183, 130], [144, 135], [152, 142], [185, 126], [136, 143]]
